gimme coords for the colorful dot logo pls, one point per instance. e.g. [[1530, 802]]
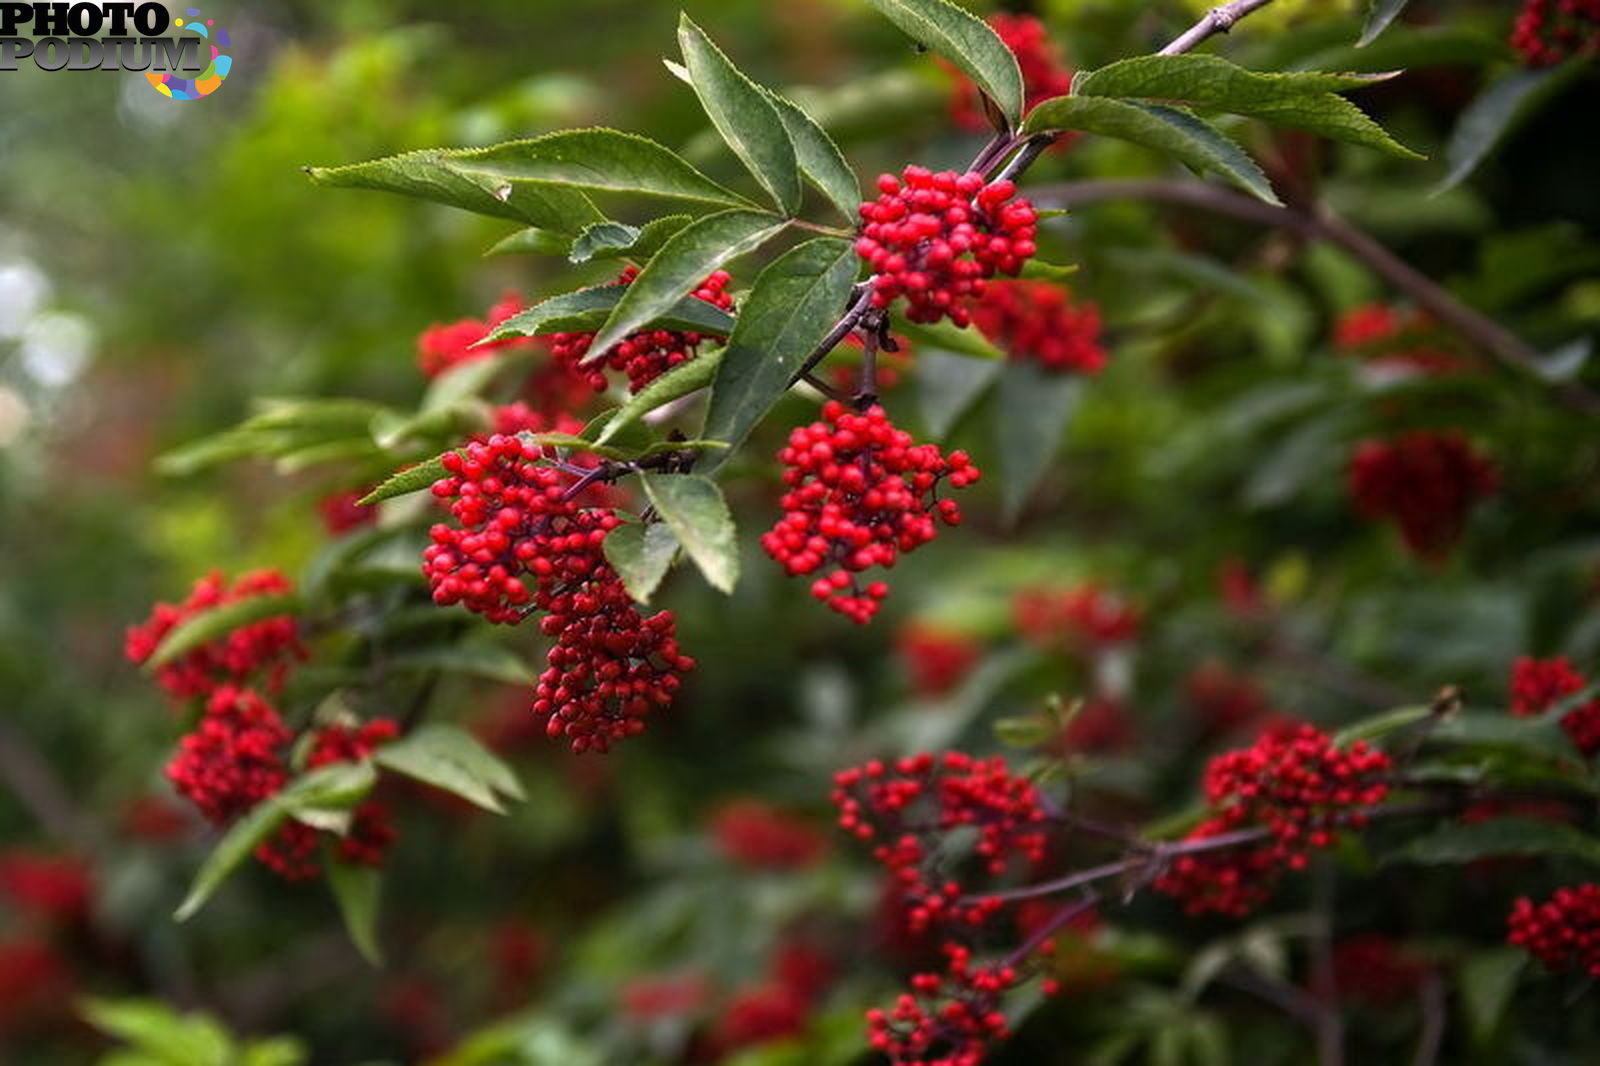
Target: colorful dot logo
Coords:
[[168, 83]]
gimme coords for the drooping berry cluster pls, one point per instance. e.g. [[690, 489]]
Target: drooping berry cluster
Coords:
[[1224, 701], [270, 645], [935, 658], [1549, 31], [55, 888], [1036, 322], [441, 347], [860, 494], [234, 757], [1563, 932], [1294, 784], [642, 356], [1425, 482], [1044, 74], [1081, 616], [1376, 970], [779, 1006], [1537, 685], [1392, 339], [935, 238], [756, 835], [911, 810], [525, 540]]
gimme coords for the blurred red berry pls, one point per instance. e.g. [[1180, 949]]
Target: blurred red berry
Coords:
[[1563, 932], [270, 645], [937, 660], [1425, 482], [1037, 322], [753, 834]]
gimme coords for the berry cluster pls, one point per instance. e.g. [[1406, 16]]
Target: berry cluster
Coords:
[[441, 347], [521, 523], [755, 835], [778, 1007], [1044, 75], [55, 888], [1294, 784], [936, 659], [1539, 684], [234, 757], [342, 511], [945, 1019], [935, 238], [1374, 969], [1425, 482], [860, 494], [270, 645], [642, 356], [508, 420], [1082, 616], [1037, 322], [1563, 932], [1224, 701], [1392, 339], [1549, 31]]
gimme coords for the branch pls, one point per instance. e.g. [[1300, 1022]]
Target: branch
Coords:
[[1322, 224], [1217, 20]]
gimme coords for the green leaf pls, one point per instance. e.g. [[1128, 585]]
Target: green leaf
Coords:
[[744, 114], [693, 506], [641, 554], [952, 338], [1379, 14], [586, 310], [411, 479], [644, 242], [450, 759], [1189, 139], [1496, 112], [340, 785], [531, 240], [1024, 731], [1487, 982], [1032, 411], [1463, 842], [820, 159], [601, 237], [948, 384], [170, 1038], [1406, 48], [681, 264], [965, 40], [357, 888], [1039, 270], [633, 437], [474, 658], [794, 304], [217, 622], [452, 177], [1380, 725], [1530, 736], [676, 383]]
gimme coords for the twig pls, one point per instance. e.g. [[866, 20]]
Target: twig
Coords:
[[1064, 914], [1327, 1022], [1217, 20], [860, 297], [810, 378], [1431, 999], [1322, 224], [34, 781]]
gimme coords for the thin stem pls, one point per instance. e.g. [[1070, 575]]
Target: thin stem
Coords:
[[1328, 1023], [1031, 150], [1430, 998], [1217, 20], [993, 152], [810, 378], [1066, 913], [860, 298]]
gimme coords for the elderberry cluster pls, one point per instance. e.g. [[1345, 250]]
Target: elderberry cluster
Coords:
[[1393, 340], [1563, 932], [1425, 482], [860, 494], [1549, 31], [525, 540], [642, 356], [1037, 322], [1294, 784], [292, 851], [271, 645], [935, 238], [1539, 684]]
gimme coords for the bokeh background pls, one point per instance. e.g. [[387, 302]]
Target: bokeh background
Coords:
[[162, 265]]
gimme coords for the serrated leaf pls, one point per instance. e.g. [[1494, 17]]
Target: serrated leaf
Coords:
[[411, 479], [952, 338], [1032, 411], [682, 263], [1211, 81], [743, 114], [601, 237], [357, 889], [948, 384], [586, 310], [1184, 136], [794, 303], [1495, 113], [676, 383], [1379, 14], [450, 759], [531, 240], [443, 176], [692, 505], [641, 555], [1463, 842], [819, 158], [474, 658], [217, 622], [644, 243], [968, 42]]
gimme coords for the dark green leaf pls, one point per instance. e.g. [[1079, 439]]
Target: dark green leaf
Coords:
[[1033, 409], [948, 384], [643, 244], [1379, 14], [678, 382], [531, 240], [1380, 725], [965, 40], [1488, 978], [1171, 131], [356, 888], [820, 159], [1498, 731], [217, 622], [601, 237], [962, 341], [793, 305], [681, 264], [475, 658], [693, 506], [1211, 81], [1461, 842], [744, 114], [588, 309], [1496, 112], [641, 554], [411, 479], [450, 759]]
